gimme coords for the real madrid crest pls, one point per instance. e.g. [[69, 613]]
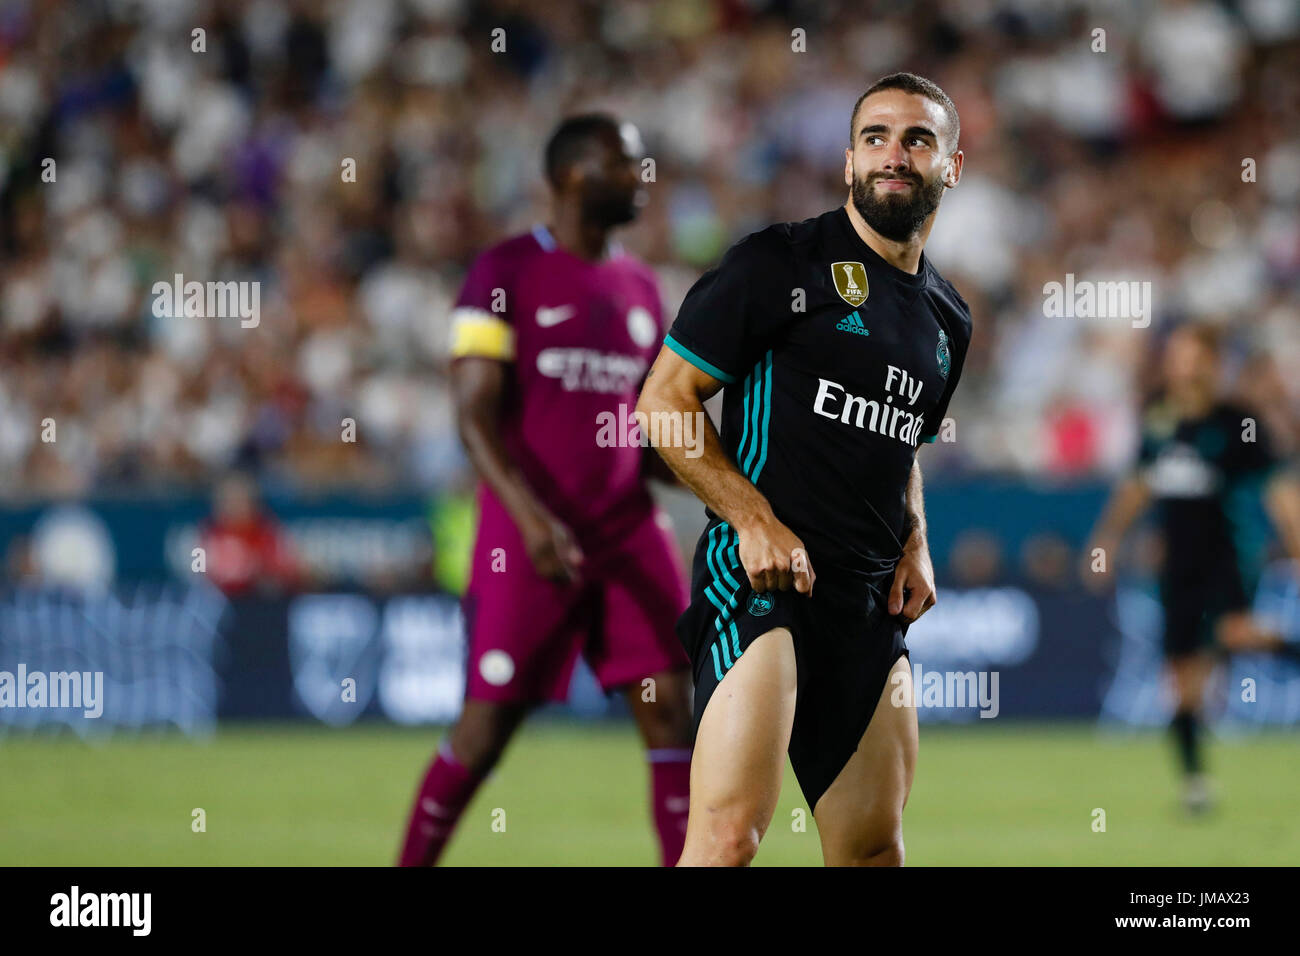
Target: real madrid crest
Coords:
[[943, 354], [850, 281]]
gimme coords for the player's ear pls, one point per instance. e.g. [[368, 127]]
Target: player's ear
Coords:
[[952, 169], [848, 166], [569, 179]]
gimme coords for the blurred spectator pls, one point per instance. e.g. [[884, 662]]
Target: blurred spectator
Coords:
[[128, 157], [1047, 560], [71, 547], [245, 551], [976, 558]]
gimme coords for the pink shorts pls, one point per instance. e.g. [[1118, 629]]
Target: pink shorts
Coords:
[[525, 633]]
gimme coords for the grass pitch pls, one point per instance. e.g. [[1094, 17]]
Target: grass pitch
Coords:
[[576, 795]]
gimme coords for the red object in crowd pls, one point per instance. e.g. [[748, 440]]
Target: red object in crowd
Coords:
[[248, 555], [1073, 436]]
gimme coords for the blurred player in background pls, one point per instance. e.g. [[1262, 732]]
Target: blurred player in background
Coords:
[[816, 468], [552, 330], [1203, 460]]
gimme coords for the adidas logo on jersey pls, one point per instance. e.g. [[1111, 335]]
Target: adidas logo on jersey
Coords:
[[852, 323]]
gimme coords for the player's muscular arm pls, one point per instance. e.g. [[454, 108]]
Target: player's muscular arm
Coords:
[[1126, 505], [478, 389], [767, 547], [913, 592], [653, 464]]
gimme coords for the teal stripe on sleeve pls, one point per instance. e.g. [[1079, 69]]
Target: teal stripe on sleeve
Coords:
[[698, 362]]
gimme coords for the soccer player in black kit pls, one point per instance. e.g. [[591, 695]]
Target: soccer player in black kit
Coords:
[[1202, 460], [839, 346]]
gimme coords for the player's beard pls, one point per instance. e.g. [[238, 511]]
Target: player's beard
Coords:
[[609, 207], [895, 215]]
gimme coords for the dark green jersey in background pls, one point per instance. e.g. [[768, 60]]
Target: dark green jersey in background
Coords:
[[1206, 477]]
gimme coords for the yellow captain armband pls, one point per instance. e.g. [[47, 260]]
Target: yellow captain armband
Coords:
[[478, 332]]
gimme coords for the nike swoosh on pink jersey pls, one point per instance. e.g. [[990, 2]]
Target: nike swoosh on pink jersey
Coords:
[[548, 317]]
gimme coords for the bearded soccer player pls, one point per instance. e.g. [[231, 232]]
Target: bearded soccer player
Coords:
[[1205, 462], [552, 333], [839, 346]]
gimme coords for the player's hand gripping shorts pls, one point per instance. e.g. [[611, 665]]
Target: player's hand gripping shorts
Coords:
[[845, 644]]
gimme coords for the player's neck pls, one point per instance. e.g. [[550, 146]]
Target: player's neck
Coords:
[[586, 240], [905, 256]]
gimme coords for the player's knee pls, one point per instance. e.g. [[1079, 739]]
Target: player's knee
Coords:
[[475, 749], [666, 730], [888, 855], [480, 736], [886, 852], [733, 841], [666, 721], [877, 841]]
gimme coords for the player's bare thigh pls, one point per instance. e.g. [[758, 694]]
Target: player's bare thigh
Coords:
[[740, 752], [860, 816]]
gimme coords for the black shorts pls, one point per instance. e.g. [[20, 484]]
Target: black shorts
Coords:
[[845, 643], [1193, 607]]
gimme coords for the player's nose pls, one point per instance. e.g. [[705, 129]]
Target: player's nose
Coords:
[[896, 159], [896, 156]]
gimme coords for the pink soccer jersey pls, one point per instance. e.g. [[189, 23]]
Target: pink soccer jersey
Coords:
[[580, 337]]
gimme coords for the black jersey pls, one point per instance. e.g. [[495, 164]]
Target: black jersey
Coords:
[[1205, 476], [838, 365]]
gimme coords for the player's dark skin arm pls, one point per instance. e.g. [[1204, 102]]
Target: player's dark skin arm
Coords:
[[1282, 499], [1125, 506], [913, 592], [478, 388], [772, 555]]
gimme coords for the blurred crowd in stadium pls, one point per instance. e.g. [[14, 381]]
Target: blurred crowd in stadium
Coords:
[[227, 164]]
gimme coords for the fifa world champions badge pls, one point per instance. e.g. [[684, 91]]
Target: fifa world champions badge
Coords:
[[850, 280]]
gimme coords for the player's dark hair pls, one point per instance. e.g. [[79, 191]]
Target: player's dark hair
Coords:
[[911, 83], [571, 141]]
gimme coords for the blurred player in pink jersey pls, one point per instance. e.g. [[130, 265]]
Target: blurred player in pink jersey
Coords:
[[553, 332]]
